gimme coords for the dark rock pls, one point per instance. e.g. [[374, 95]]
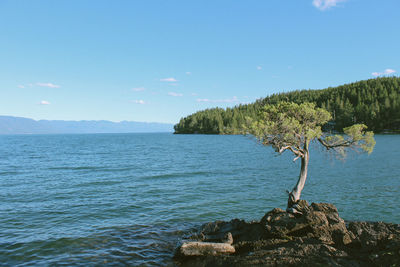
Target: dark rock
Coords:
[[239, 229], [324, 207], [320, 221], [317, 237], [371, 234], [379, 242]]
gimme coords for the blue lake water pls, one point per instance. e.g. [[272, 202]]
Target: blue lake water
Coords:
[[127, 198]]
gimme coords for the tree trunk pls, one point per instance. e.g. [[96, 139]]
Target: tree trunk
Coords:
[[294, 196]]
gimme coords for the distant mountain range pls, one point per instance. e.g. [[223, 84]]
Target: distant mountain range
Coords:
[[19, 125]]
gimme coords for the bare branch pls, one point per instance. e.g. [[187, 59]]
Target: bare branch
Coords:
[[283, 149], [296, 158], [298, 153], [344, 143], [325, 144]]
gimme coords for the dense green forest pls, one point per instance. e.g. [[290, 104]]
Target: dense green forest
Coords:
[[374, 102]]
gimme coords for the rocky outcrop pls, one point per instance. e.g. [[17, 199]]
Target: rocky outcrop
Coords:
[[317, 237], [318, 221]]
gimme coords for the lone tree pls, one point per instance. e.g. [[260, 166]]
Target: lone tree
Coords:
[[289, 126]]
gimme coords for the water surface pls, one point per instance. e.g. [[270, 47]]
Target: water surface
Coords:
[[128, 198]]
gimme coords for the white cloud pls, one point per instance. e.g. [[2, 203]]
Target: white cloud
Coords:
[[21, 86], [140, 102], [44, 102], [326, 4], [188, 73], [138, 89], [169, 80], [175, 94], [194, 94], [228, 100], [389, 71], [50, 85], [259, 67], [385, 72]]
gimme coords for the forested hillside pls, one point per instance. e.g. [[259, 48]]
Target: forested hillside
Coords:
[[374, 102]]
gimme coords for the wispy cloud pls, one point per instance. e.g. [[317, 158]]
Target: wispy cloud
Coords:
[[194, 94], [44, 102], [385, 72], [259, 68], [138, 89], [204, 100], [21, 86], [140, 102], [50, 85], [175, 94], [326, 4], [188, 73], [228, 100], [169, 80]]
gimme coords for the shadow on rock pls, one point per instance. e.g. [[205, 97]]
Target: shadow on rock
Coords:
[[317, 237]]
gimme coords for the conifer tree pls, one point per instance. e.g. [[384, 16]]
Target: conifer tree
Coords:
[[292, 127]]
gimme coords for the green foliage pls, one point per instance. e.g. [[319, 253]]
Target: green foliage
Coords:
[[289, 124], [217, 120], [374, 102], [360, 138], [355, 137]]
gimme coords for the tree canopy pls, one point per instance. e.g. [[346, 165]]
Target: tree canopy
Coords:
[[374, 102], [291, 126], [287, 126]]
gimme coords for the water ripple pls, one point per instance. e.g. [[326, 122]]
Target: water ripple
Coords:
[[125, 199]]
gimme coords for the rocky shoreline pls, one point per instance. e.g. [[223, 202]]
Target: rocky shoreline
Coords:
[[317, 237]]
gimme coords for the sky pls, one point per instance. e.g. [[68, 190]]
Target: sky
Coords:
[[161, 60]]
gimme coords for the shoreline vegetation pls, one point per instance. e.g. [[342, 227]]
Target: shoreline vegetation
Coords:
[[303, 234], [373, 102]]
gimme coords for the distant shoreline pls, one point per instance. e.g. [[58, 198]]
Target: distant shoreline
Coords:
[[20, 125], [34, 134]]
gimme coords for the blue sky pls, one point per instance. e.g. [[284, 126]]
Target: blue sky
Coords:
[[160, 60]]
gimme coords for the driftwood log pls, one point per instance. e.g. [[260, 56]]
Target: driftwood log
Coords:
[[198, 248]]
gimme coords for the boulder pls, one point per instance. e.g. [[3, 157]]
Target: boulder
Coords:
[[320, 221], [371, 234], [316, 236]]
